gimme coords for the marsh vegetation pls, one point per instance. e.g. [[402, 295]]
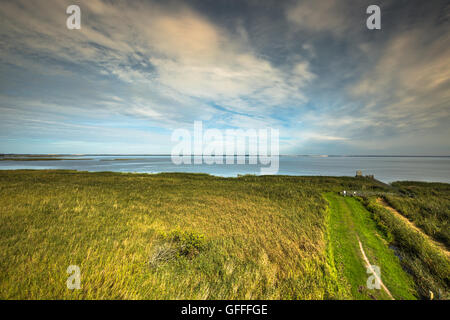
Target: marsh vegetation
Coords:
[[195, 236]]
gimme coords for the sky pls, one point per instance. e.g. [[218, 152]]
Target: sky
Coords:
[[138, 70]]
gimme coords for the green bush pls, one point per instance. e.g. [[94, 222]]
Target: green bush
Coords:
[[176, 244], [189, 243]]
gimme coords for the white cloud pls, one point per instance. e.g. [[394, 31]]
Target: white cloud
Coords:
[[193, 59]]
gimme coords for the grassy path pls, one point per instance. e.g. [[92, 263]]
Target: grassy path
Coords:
[[372, 270], [350, 224]]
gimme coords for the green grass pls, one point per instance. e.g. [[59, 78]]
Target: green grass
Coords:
[[264, 237], [350, 221], [186, 236], [427, 205], [427, 264]]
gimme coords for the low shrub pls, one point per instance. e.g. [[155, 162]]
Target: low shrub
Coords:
[[189, 243], [176, 244]]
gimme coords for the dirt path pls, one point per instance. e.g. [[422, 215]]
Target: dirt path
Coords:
[[440, 246], [369, 265]]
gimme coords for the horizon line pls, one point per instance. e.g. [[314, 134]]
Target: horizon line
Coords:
[[167, 154]]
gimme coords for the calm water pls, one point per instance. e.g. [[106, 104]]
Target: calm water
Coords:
[[386, 169]]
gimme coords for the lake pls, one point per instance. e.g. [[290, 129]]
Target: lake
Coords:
[[386, 168]]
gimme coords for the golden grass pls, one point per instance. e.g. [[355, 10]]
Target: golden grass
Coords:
[[265, 236]]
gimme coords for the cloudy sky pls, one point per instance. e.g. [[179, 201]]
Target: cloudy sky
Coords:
[[138, 70]]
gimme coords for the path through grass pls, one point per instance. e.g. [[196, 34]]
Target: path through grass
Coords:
[[348, 222]]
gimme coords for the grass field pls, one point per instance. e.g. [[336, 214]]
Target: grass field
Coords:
[[189, 236]]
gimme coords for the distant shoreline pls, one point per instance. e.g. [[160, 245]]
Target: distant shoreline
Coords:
[[179, 173], [386, 169], [168, 155]]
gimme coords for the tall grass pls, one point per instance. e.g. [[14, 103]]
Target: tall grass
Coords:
[[264, 236], [169, 236], [429, 267], [427, 205]]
